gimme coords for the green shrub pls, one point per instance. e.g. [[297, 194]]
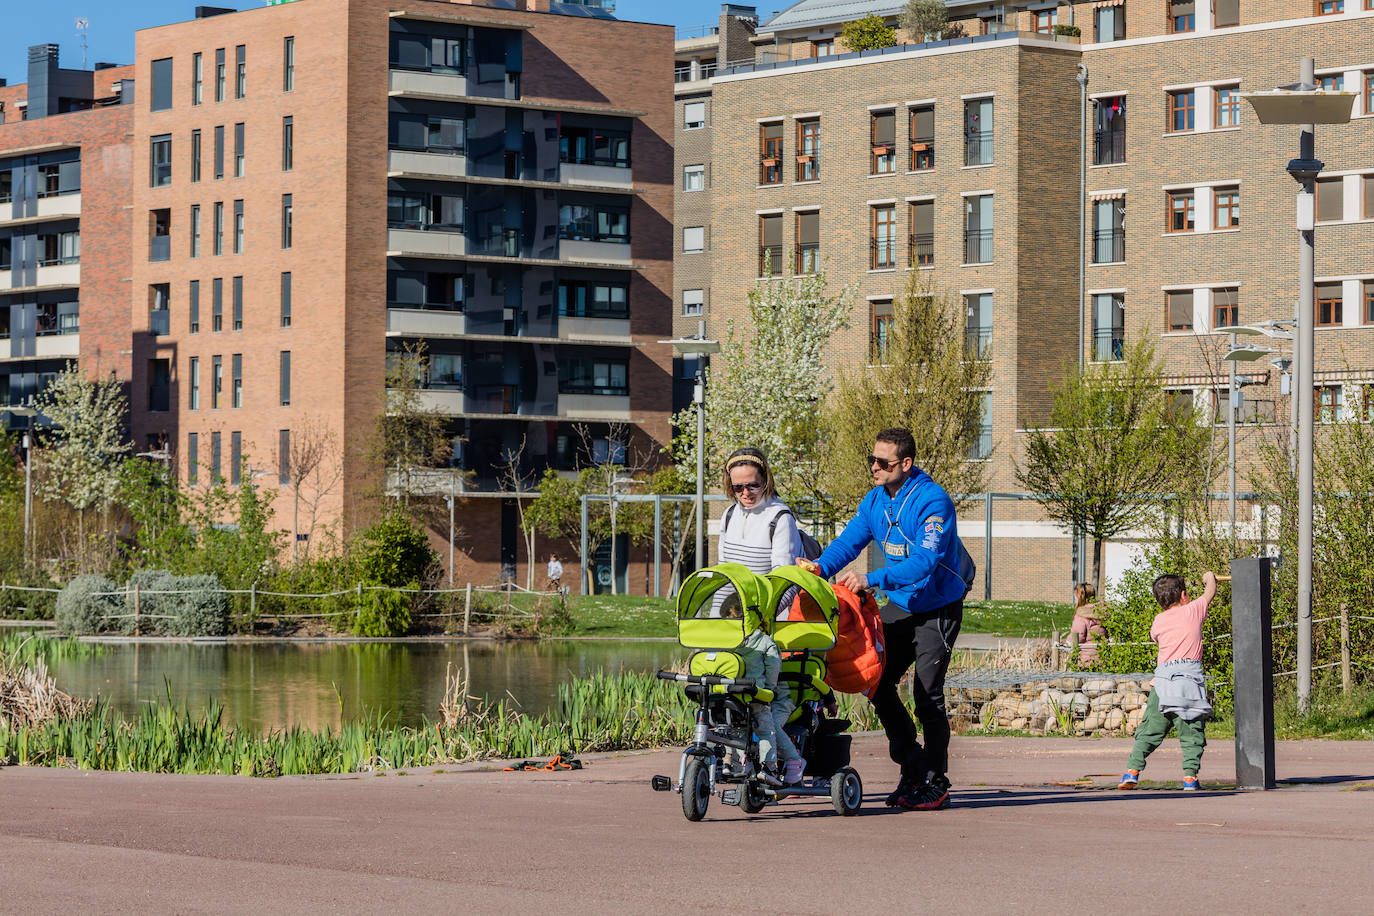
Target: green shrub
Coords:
[[24, 605], [152, 605], [1066, 29], [395, 551], [181, 605], [81, 608], [383, 612]]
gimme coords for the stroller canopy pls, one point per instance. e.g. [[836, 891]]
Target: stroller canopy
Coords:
[[717, 607], [804, 610]]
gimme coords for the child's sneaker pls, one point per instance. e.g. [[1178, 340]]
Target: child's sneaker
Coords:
[[792, 773], [1190, 784], [1129, 780], [768, 775]]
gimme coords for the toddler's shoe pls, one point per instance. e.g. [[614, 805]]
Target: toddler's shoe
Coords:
[[768, 775], [1190, 784], [792, 773], [1129, 780]]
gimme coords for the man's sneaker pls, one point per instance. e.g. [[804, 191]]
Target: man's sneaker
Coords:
[[1190, 784], [932, 795], [792, 773], [1129, 780], [905, 786]]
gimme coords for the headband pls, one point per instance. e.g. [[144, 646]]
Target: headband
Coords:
[[744, 459]]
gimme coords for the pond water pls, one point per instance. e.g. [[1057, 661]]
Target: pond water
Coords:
[[273, 685]]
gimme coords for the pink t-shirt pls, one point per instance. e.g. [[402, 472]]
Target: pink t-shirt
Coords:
[[1088, 630], [1179, 631]]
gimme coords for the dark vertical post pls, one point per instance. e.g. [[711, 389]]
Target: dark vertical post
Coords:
[[1252, 663]]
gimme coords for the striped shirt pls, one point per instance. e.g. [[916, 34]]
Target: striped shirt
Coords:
[[744, 537]]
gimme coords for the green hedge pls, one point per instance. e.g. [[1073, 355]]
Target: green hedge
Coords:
[[187, 605], [86, 605]]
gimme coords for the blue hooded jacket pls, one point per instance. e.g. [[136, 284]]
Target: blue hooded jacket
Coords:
[[918, 533]]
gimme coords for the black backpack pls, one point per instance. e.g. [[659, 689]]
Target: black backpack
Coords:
[[811, 548]]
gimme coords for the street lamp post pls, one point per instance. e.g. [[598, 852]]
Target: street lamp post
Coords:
[[699, 347], [615, 482], [1304, 104], [27, 410], [1081, 540]]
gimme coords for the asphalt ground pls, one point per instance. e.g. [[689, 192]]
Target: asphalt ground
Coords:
[[1036, 826]]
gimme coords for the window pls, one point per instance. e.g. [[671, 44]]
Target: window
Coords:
[[770, 244], [1327, 402], [1109, 230], [160, 235], [1328, 305], [808, 149], [159, 304], [236, 392], [591, 299], [288, 56], [808, 257], [693, 115], [594, 146], [1181, 111], [160, 161], [195, 155], [237, 286], [1330, 199], [693, 303], [194, 373], [65, 247], [883, 140], [1333, 82], [240, 72], [977, 325], [1178, 307], [1330, 7], [922, 125], [284, 456], [425, 211], [980, 446], [192, 453], [1110, 24], [214, 457], [219, 75], [1109, 326], [1369, 92], [217, 304], [286, 221], [598, 222], [921, 244], [693, 239], [286, 299], [1227, 106], [770, 153], [882, 330], [218, 241], [428, 133], [823, 47], [1182, 15], [235, 457], [284, 378], [1225, 307], [219, 152], [978, 229], [1368, 301], [162, 84], [216, 381], [1045, 21], [1226, 208], [238, 150], [288, 139], [197, 77], [194, 297], [159, 385], [1181, 215], [694, 178], [58, 178], [195, 230], [593, 375], [238, 227], [1225, 13], [882, 243], [994, 25]]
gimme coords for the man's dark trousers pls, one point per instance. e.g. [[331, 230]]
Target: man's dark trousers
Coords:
[[926, 640]]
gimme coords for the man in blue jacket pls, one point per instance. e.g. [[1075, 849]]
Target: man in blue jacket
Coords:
[[912, 519]]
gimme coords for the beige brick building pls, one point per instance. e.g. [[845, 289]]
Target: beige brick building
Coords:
[[959, 159]]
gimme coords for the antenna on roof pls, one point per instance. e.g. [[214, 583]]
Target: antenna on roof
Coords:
[[82, 24]]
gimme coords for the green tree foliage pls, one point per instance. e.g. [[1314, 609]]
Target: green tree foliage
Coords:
[[868, 33], [1111, 446], [396, 552], [409, 435], [922, 381], [928, 20]]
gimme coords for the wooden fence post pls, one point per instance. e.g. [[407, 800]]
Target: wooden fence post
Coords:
[[1054, 650], [467, 608], [136, 610], [1345, 649]]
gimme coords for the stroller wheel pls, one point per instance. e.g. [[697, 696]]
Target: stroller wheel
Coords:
[[696, 789], [846, 791], [753, 800]]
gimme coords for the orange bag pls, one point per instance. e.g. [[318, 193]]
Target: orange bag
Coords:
[[856, 662]]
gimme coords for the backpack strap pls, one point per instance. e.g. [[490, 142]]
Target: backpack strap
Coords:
[[773, 525]]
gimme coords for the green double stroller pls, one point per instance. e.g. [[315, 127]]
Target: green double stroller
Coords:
[[717, 608]]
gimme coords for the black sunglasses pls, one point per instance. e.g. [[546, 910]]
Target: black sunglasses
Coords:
[[751, 487], [883, 463]]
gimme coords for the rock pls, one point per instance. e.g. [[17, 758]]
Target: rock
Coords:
[[1092, 723], [1113, 720], [981, 694], [1018, 724], [1132, 701], [1096, 686], [1067, 683], [1105, 701], [1076, 703]]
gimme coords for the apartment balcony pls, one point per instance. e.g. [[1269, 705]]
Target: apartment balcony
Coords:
[[159, 322], [594, 406], [446, 401], [419, 162], [54, 207], [920, 250], [978, 246], [1109, 246], [425, 323], [978, 148], [427, 242], [45, 346], [882, 254], [579, 174], [594, 329], [56, 275], [427, 83], [594, 252], [1109, 147]]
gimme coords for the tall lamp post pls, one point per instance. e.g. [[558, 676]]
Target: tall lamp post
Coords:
[[1305, 104], [1081, 540], [616, 482], [1245, 354], [27, 410], [699, 347]]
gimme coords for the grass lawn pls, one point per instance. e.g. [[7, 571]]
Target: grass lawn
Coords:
[[1017, 618]]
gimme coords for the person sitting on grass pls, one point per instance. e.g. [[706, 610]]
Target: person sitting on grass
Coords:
[[1178, 696]]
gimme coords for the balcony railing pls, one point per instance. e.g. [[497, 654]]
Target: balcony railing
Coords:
[[977, 341], [808, 259], [883, 159], [770, 260], [770, 170], [60, 260], [684, 74], [978, 148], [1109, 147], [977, 246], [696, 31], [159, 322], [1109, 345], [922, 154], [921, 249], [160, 248], [808, 166], [882, 253], [1109, 245]]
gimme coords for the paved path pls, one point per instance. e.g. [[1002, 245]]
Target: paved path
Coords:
[[599, 840]]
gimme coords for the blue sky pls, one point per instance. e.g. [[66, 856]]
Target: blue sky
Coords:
[[112, 25]]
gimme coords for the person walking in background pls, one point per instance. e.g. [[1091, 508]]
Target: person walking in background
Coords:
[[1178, 696], [912, 518], [1087, 627], [555, 573]]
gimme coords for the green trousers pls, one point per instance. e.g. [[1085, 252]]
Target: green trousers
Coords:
[[1154, 728]]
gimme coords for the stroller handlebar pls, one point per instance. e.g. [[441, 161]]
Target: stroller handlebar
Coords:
[[731, 684]]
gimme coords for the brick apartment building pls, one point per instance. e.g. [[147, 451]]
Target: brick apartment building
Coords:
[[313, 185], [960, 160]]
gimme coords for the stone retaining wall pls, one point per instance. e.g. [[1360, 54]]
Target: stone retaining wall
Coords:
[[1080, 705]]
